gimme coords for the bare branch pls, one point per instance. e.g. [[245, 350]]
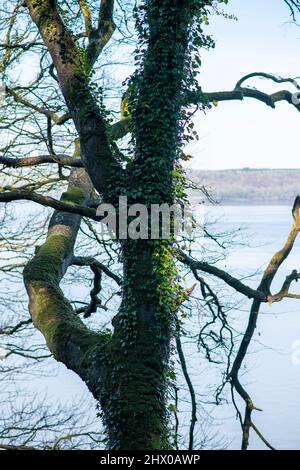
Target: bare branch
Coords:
[[264, 286], [86, 11], [284, 291], [71, 71], [97, 269], [239, 93], [11, 330], [94, 302], [69, 340], [48, 201], [226, 277], [90, 261], [264, 75], [100, 36], [294, 7], [190, 387], [61, 159], [11, 447], [18, 98]]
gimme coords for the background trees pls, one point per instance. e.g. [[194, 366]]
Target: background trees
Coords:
[[64, 150]]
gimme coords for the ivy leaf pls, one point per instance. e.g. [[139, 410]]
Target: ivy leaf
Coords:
[[172, 408]]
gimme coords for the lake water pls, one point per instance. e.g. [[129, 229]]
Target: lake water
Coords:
[[273, 369], [273, 366]]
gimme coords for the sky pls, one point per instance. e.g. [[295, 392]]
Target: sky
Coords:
[[248, 133]]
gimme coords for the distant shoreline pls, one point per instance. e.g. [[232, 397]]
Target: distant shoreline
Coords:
[[242, 187], [244, 169], [246, 204]]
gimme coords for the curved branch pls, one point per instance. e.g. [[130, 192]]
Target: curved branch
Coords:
[[226, 277], [71, 71], [284, 291], [190, 387], [63, 205], [100, 36], [94, 302], [69, 340], [294, 7], [260, 295], [90, 261], [239, 92], [59, 120], [264, 286], [13, 329], [97, 269], [267, 76], [61, 159]]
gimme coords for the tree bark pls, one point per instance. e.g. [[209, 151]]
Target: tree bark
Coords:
[[126, 371]]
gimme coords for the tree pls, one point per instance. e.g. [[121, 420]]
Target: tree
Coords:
[[126, 367]]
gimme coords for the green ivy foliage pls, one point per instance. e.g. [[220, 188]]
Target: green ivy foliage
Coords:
[[170, 39]]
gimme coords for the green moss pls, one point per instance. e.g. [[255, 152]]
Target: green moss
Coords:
[[46, 264], [74, 195]]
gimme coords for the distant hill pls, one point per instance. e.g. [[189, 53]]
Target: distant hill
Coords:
[[249, 186]]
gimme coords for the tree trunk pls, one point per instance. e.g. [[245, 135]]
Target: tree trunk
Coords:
[[135, 403], [125, 371]]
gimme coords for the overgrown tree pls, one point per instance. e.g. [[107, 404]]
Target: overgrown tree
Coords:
[[126, 367]]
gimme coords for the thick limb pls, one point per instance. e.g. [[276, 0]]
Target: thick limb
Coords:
[[68, 339], [71, 71]]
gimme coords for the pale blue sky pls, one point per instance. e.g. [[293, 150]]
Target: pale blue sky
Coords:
[[248, 133]]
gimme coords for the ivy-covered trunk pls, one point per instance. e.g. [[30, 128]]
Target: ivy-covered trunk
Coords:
[[136, 404], [126, 370], [135, 401]]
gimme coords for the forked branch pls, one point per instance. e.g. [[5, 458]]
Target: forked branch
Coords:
[[260, 295], [264, 286]]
